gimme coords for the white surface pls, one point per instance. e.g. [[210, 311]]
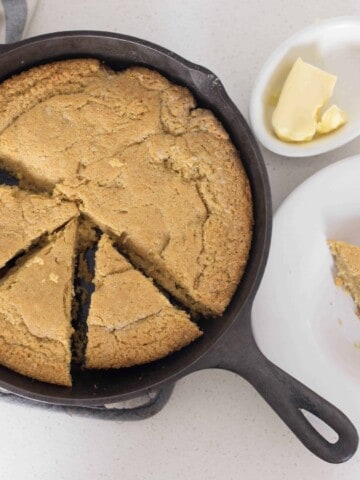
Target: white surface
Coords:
[[301, 319], [215, 426], [332, 45]]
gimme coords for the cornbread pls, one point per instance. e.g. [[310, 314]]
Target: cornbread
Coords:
[[143, 163], [25, 217], [146, 170], [347, 259], [69, 114], [35, 311], [181, 207], [130, 322]]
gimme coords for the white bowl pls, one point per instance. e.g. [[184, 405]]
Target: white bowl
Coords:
[[334, 46]]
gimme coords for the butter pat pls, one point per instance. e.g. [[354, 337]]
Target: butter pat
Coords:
[[332, 119], [306, 90]]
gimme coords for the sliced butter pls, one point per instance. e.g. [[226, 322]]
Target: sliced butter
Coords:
[[306, 90], [332, 119]]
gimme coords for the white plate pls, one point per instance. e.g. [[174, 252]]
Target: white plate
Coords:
[[302, 321], [333, 45]]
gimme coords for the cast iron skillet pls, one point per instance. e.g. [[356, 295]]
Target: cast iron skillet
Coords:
[[228, 342]]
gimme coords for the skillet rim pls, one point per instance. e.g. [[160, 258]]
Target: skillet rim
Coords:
[[204, 79]]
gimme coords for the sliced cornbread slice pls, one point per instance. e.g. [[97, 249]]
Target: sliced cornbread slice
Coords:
[[35, 311], [130, 321], [24, 217], [347, 259]]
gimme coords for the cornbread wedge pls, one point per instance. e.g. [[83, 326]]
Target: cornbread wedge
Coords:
[[35, 311], [130, 321], [347, 260]]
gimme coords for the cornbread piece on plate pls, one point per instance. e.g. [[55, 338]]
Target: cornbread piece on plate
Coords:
[[347, 260], [130, 321], [35, 311], [25, 217]]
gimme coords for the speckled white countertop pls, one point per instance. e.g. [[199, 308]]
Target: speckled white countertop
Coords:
[[215, 425]]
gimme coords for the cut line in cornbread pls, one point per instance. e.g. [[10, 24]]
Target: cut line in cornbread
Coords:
[[130, 321], [25, 217]]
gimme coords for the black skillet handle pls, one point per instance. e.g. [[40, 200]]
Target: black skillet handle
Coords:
[[287, 396], [4, 47]]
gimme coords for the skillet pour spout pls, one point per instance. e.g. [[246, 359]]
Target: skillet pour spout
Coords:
[[228, 341]]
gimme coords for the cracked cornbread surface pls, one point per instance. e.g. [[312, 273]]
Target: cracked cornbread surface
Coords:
[[181, 207], [141, 162], [35, 311], [347, 260], [25, 217], [130, 321], [70, 114]]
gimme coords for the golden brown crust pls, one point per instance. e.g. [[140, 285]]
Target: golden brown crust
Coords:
[[35, 311], [347, 259], [21, 92], [150, 79], [130, 322], [152, 339], [176, 105], [25, 217], [40, 360], [74, 123], [161, 175]]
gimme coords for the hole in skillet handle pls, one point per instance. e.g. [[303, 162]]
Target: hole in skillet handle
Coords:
[[320, 426], [290, 398], [239, 353]]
